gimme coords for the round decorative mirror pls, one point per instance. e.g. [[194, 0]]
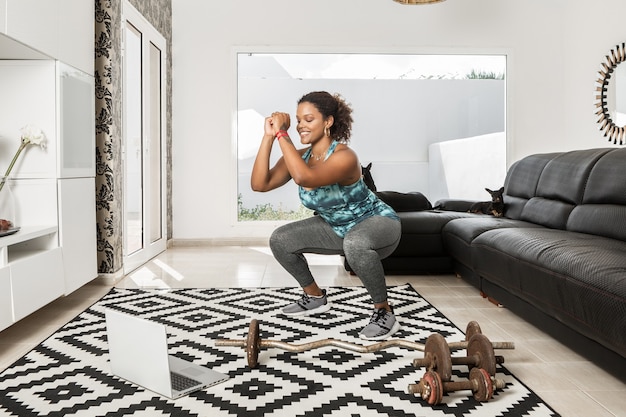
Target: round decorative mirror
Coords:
[[611, 96]]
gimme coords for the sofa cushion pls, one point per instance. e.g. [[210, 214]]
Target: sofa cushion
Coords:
[[468, 229], [429, 221], [513, 206], [449, 204], [547, 212], [599, 219], [605, 184], [558, 177], [564, 178], [522, 177], [520, 183], [458, 234], [579, 279], [603, 207]]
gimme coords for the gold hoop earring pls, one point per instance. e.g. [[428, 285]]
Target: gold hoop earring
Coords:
[[326, 131]]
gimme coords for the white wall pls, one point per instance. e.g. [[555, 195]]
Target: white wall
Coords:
[[554, 52], [463, 168]]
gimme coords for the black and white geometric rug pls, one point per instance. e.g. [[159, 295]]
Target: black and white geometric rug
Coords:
[[69, 375]]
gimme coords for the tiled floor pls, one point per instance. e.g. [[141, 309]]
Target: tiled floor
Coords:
[[572, 385]]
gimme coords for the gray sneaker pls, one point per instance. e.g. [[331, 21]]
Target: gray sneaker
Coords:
[[382, 325], [308, 304]]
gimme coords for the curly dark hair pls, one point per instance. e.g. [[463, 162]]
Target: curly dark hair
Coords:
[[336, 106]]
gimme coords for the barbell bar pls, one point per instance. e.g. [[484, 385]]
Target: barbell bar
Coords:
[[253, 344]]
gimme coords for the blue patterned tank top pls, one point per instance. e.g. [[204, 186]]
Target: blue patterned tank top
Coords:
[[343, 206]]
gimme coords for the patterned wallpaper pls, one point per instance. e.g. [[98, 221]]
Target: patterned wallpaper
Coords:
[[108, 81]]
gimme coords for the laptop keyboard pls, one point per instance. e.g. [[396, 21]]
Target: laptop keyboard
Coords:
[[181, 382]]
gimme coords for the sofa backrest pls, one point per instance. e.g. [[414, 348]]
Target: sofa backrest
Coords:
[[520, 184], [547, 188], [603, 208]]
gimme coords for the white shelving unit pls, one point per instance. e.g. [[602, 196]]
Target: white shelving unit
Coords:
[[61, 29], [46, 75], [28, 241]]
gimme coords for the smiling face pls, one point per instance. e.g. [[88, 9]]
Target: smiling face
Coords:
[[311, 123]]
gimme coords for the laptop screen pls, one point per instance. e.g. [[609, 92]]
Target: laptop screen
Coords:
[[138, 351]]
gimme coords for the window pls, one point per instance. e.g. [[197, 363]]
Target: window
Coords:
[[404, 107]]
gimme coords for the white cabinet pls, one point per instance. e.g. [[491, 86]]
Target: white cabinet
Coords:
[[76, 33], [34, 23], [31, 272], [75, 125], [35, 202], [29, 98], [77, 230], [62, 29], [58, 99], [6, 303], [36, 280]]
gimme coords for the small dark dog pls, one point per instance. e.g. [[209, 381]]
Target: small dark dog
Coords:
[[494, 207], [367, 176]]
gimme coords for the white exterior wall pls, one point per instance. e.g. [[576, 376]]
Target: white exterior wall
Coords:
[[554, 51]]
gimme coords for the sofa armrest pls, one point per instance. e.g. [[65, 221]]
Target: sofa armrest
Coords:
[[449, 204], [401, 202]]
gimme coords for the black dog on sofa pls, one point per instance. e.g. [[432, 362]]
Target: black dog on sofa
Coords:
[[366, 171], [494, 207]]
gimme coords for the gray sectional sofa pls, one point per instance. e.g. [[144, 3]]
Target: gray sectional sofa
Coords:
[[556, 257]]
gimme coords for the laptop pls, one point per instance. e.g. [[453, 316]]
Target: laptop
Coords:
[[138, 354]]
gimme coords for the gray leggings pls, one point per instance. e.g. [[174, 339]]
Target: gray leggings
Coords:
[[363, 246]]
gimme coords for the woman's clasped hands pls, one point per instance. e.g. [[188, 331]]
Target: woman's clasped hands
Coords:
[[277, 121]]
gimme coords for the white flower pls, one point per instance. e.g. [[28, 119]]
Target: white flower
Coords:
[[34, 135], [31, 135]]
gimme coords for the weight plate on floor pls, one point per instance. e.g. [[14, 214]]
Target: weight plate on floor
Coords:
[[437, 348], [252, 344], [432, 392], [483, 387], [480, 347], [472, 329]]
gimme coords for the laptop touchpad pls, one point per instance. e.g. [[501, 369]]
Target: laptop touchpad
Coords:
[[192, 371]]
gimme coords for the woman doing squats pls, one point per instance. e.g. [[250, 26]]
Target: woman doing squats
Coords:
[[351, 220]]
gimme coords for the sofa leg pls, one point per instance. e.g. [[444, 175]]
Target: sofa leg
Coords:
[[491, 300]]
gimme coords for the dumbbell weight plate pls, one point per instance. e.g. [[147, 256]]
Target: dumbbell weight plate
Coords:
[[432, 391], [480, 346], [472, 328], [437, 348], [483, 386], [252, 344]]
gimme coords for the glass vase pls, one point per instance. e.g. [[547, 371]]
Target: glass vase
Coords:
[[7, 207]]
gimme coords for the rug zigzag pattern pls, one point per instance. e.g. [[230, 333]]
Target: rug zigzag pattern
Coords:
[[68, 374]]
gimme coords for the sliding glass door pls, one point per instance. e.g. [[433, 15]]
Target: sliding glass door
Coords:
[[143, 145]]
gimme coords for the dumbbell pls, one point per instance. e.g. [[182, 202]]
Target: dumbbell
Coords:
[[431, 388], [253, 344], [437, 357], [472, 328]]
